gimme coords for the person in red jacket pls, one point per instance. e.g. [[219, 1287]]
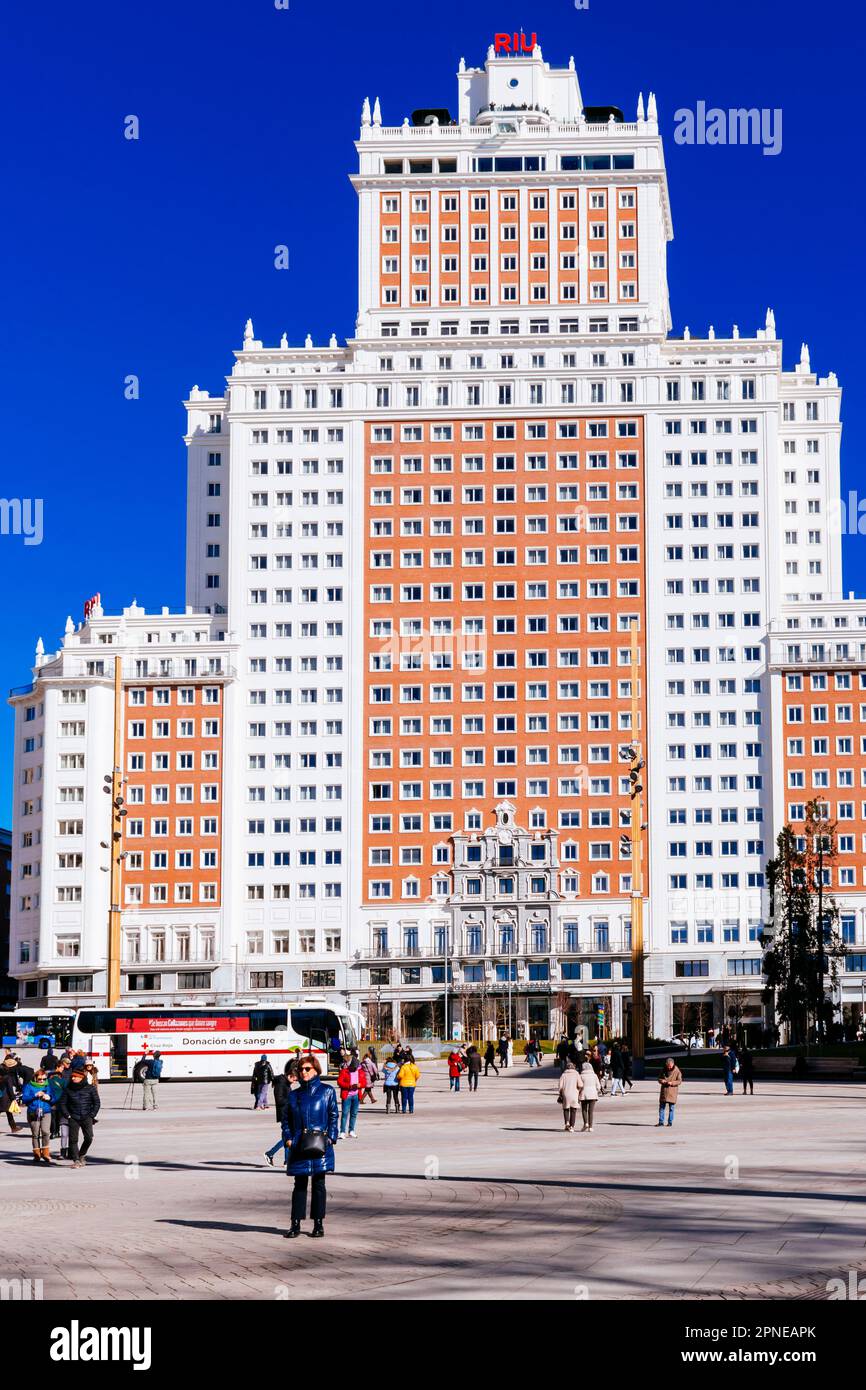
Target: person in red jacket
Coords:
[[455, 1067], [352, 1080]]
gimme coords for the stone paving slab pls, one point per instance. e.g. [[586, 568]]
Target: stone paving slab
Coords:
[[741, 1198]]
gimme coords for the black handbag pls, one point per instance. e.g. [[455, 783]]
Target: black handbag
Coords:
[[312, 1144]]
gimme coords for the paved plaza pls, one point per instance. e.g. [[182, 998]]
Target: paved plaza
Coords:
[[475, 1196]]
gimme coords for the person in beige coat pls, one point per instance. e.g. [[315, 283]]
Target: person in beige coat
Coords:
[[670, 1080], [569, 1095], [588, 1083]]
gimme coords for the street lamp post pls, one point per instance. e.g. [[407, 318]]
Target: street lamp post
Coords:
[[631, 753], [113, 784]]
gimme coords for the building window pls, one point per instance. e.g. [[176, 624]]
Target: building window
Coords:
[[266, 979]]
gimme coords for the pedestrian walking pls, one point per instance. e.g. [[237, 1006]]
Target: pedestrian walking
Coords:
[[57, 1083], [37, 1097], [626, 1068], [399, 1053], [409, 1075], [49, 1061], [503, 1051], [370, 1076], [9, 1096], [263, 1075], [79, 1105], [351, 1082], [589, 1092], [455, 1067], [533, 1053], [310, 1131], [150, 1080], [616, 1071], [283, 1083], [730, 1067], [490, 1060], [473, 1067], [747, 1071], [391, 1085], [562, 1052], [670, 1080], [568, 1095]]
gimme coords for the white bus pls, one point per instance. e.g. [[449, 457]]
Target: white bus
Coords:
[[213, 1041], [30, 1032]]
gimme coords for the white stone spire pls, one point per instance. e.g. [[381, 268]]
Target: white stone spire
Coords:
[[284, 341], [332, 341], [711, 334], [248, 332], [805, 364], [651, 110], [377, 113], [461, 66], [770, 323], [735, 333], [640, 110], [308, 341], [365, 112]]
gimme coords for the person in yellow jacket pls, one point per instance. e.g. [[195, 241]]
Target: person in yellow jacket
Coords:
[[408, 1077]]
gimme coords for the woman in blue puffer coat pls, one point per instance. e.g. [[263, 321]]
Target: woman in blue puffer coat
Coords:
[[311, 1129]]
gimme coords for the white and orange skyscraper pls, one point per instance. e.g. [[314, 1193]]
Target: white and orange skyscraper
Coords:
[[429, 548]]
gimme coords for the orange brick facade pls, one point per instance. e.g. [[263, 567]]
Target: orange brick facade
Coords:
[[172, 758], [824, 723], [501, 578], [488, 239]]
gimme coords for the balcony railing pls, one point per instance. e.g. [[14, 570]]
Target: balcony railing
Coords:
[[168, 962]]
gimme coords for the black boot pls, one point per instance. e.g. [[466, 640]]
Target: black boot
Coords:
[[295, 1231], [318, 1227]]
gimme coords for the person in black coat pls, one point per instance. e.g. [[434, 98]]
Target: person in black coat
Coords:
[[49, 1061], [490, 1060], [311, 1130], [747, 1071], [626, 1068], [283, 1084], [79, 1105], [7, 1096], [263, 1075]]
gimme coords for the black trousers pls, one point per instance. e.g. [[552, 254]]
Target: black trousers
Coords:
[[488, 1065], [85, 1127], [299, 1198], [473, 1081]]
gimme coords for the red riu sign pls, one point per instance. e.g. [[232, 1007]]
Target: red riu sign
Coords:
[[513, 43], [92, 603]]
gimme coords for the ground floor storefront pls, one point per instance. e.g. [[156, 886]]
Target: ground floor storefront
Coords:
[[479, 1015]]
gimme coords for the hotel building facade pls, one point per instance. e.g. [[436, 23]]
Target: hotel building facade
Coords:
[[422, 555]]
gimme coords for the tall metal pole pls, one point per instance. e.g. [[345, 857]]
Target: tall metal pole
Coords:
[[638, 1026], [116, 842], [445, 1004]]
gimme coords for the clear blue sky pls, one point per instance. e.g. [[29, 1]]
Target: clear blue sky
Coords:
[[146, 257]]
